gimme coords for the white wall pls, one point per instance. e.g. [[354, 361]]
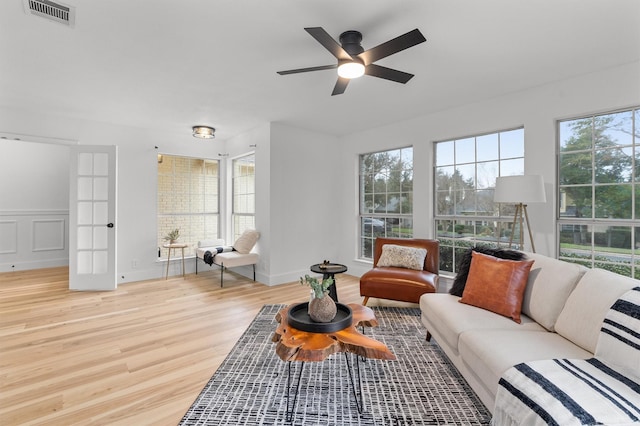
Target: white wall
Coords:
[[34, 205], [307, 183], [303, 201], [537, 109]]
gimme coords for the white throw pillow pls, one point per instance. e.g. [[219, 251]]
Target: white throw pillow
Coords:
[[402, 257], [581, 318], [619, 338], [549, 285], [246, 241]]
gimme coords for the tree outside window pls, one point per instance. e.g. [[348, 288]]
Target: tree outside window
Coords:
[[386, 197], [598, 175]]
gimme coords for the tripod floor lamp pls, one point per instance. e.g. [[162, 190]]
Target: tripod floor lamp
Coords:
[[520, 190]]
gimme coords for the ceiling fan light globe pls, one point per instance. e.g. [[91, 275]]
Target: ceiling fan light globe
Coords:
[[351, 70]]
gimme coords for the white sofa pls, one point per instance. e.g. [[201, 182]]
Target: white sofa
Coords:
[[562, 313]]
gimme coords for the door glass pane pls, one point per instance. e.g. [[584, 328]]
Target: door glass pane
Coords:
[[100, 262], [84, 262], [85, 163], [101, 164], [101, 213], [101, 188], [84, 238], [85, 188], [100, 240], [85, 210]]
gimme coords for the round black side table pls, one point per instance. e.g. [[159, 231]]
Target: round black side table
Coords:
[[328, 270]]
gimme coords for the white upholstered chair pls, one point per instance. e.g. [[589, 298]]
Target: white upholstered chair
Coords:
[[239, 254]]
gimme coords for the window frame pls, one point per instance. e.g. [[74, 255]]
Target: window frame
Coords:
[[587, 239], [466, 230], [178, 218], [248, 217], [385, 224]]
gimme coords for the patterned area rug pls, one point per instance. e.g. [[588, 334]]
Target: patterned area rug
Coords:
[[420, 388]]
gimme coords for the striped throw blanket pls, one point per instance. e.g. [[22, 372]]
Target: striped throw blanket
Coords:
[[604, 390]]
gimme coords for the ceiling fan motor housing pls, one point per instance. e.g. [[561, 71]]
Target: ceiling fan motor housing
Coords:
[[350, 41]]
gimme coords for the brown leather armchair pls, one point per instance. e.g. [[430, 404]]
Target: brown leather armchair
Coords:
[[402, 284]]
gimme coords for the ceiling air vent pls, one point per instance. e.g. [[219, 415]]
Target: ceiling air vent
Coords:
[[57, 12]]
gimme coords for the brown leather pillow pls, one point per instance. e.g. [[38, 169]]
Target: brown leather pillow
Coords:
[[497, 284]]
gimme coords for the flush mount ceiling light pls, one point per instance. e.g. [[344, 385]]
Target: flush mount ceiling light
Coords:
[[351, 69], [203, 132]]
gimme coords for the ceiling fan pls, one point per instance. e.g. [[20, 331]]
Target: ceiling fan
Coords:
[[354, 61]]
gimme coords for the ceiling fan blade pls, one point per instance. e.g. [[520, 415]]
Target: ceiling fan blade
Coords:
[[387, 73], [328, 42], [392, 46], [320, 68], [340, 87]]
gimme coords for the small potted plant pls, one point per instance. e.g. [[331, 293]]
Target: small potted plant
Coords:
[[321, 307], [172, 236]]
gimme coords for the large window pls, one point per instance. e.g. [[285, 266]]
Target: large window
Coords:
[[464, 179], [187, 199], [386, 197], [244, 194], [599, 191]]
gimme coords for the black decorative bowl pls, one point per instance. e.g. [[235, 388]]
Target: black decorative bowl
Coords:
[[299, 319]]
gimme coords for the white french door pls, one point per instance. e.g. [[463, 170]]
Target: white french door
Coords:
[[92, 218]]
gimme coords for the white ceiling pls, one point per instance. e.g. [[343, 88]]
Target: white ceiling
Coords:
[[171, 64]]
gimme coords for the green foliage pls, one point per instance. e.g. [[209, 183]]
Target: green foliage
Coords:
[[592, 154], [173, 235], [387, 172], [319, 288]]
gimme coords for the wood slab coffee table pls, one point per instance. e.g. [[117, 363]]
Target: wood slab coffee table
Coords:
[[303, 346]]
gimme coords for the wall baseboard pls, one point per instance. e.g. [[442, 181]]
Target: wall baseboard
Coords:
[[33, 264]]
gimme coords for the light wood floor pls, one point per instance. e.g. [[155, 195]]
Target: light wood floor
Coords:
[[139, 355]]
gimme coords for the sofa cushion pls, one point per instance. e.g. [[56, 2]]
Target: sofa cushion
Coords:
[[489, 353], [619, 340], [549, 285], [464, 264], [402, 257], [245, 242], [581, 318], [444, 316], [233, 258], [496, 284]]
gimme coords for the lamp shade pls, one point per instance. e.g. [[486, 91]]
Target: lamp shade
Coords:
[[519, 189]]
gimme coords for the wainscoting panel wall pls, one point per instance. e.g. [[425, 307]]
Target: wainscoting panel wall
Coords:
[[33, 239]]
